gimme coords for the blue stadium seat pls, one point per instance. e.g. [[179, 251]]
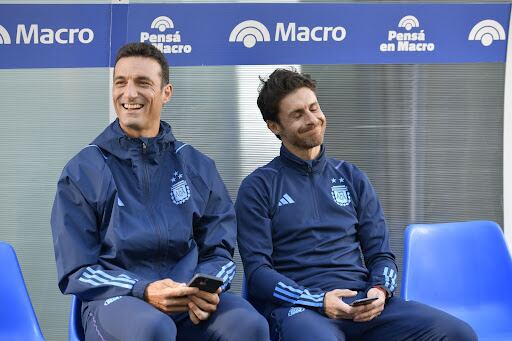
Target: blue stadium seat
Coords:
[[76, 331], [17, 318], [464, 269]]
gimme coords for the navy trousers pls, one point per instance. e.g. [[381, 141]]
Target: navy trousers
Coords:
[[130, 318], [400, 320]]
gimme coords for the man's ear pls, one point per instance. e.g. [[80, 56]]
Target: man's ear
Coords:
[[167, 93], [273, 126]]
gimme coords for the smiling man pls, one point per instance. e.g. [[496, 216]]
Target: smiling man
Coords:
[[137, 214], [304, 220]]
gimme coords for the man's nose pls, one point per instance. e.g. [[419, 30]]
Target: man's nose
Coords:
[[131, 90], [311, 118]]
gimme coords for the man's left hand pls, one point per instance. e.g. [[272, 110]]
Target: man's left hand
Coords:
[[373, 309], [202, 305]]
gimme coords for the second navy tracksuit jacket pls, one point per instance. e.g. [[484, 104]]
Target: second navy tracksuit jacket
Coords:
[[301, 228]]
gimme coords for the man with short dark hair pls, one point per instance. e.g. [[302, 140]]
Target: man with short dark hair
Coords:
[[137, 214], [303, 221]]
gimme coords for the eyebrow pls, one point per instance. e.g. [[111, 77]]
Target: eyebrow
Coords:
[[143, 78], [138, 78], [300, 110]]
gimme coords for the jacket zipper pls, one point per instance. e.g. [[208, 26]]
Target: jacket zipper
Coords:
[[147, 187], [313, 192], [146, 175]]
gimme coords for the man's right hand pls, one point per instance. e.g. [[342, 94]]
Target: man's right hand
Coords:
[[335, 308], [202, 305], [169, 296]]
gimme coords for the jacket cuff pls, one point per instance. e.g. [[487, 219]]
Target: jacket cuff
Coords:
[[321, 309], [139, 287], [384, 289]]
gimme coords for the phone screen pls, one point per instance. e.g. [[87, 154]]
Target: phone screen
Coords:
[[205, 282], [363, 301]]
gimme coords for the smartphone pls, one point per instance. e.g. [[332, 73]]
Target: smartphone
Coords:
[[363, 301], [205, 282]]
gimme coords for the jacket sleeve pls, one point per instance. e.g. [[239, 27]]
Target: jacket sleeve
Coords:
[[264, 283], [374, 236], [215, 232], [78, 213]]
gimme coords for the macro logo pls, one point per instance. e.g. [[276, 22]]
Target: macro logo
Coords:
[[5, 38], [251, 31], [412, 40], [33, 34], [162, 23], [487, 31], [165, 40], [409, 22]]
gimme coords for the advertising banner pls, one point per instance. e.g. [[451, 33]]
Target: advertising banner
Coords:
[[39, 36], [230, 34], [54, 36]]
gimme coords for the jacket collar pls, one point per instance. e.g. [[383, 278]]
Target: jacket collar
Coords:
[[306, 166], [114, 140]]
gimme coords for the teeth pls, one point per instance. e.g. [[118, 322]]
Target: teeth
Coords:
[[132, 106]]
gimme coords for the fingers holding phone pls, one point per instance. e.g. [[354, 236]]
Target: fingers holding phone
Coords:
[[169, 296], [204, 302], [372, 306], [196, 314], [202, 305], [334, 307]]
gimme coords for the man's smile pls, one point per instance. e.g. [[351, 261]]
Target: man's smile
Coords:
[[132, 106]]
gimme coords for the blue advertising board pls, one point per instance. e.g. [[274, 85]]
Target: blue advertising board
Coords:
[[220, 34], [54, 36], [254, 34]]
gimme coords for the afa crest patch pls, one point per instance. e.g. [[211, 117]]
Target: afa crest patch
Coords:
[[340, 193], [180, 192]]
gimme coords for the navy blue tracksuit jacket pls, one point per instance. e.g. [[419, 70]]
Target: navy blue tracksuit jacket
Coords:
[[302, 226], [130, 211]]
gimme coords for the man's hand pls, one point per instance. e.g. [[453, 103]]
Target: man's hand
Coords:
[[169, 296], [202, 305], [335, 308], [372, 310]]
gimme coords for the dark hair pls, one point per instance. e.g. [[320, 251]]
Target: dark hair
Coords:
[[149, 51], [278, 85]]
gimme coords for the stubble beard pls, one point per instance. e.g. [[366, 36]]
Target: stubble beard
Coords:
[[309, 142], [312, 141]]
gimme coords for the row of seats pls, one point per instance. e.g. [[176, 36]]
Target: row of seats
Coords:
[[463, 268]]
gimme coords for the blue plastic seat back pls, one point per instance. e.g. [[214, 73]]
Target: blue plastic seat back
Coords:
[[76, 331], [17, 318], [462, 268]]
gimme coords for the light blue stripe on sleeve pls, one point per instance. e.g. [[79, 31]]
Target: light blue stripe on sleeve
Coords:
[[309, 303], [284, 298], [314, 299], [285, 292], [299, 291]]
